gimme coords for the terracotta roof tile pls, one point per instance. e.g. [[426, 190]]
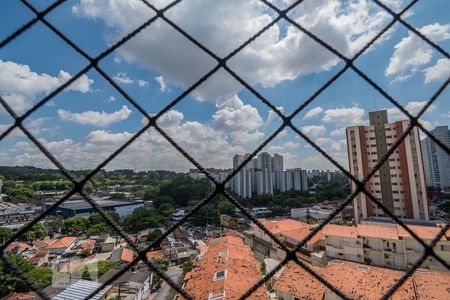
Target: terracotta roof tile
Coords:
[[62, 242], [15, 245], [367, 282], [242, 270], [37, 257], [158, 254]]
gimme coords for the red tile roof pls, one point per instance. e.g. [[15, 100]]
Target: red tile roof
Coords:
[[158, 254], [18, 245], [242, 271], [367, 282], [42, 243], [280, 226], [62, 242], [37, 257]]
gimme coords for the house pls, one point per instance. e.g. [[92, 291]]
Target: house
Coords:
[[226, 270], [157, 254], [85, 247], [40, 258], [42, 244], [17, 247], [122, 255], [132, 285], [61, 245], [108, 244]]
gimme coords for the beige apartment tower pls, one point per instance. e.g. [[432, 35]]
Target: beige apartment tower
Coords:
[[400, 182]]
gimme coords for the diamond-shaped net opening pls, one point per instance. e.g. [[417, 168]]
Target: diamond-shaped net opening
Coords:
[[292, 13]]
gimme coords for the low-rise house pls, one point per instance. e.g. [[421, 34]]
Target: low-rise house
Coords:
[[42, 244], [359, 282], [225, 271], [108, 244], [157, 254], [18, 247], [132, 285], [122, 255], [85, 247], [61, 245], [40, 258]]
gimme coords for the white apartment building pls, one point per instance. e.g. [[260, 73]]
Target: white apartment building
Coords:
[[435, 160], [265, 175], [385, 245], [400, 182]]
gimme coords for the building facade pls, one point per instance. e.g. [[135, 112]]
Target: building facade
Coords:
[[400, 182], [266, 175], [385, 245], [435, 160]]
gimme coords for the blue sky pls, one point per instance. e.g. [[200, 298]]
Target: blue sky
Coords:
[[88, 121]]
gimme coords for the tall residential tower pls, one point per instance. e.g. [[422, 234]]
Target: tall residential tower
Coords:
[[400, 182], [435, 160]]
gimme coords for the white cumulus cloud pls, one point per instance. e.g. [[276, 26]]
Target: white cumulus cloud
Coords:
[[162, 83], [412, 53], [20, 86], [270, 59], [313, 112], [95, 118], [313, 130], [123, 78], [439, 72], [347, 116]]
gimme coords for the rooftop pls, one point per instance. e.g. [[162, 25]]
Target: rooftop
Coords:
[[81, 289], [62, 242], [227, 265], [83, 204], [367, 282], [280, 226]]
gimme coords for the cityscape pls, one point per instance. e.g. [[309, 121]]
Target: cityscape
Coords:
[[227, 149]]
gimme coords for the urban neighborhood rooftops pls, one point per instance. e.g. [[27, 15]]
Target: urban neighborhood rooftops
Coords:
[[366, 282], [227, 269]]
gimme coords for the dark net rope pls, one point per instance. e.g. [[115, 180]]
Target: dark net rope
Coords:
[[152, 122]]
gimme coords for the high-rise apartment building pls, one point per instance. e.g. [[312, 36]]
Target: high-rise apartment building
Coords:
[[400, 182], [241, 183], [435, 160], [265, 175]]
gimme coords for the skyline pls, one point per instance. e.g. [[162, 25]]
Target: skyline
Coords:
[[84, 125]]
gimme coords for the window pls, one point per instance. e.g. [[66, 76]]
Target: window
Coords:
[[223, 253], [216, 295], [220, 275]]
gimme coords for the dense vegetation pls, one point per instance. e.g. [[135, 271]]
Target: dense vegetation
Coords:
[[11, 282]]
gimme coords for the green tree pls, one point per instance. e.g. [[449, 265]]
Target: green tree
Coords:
[[162, 265], [98, 229], [74, 225], [5, 233], [54, 224], [153, 235], [187, 266], [36, 232], [227, 208], [42, 277], [163, 199], [10, 282]]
